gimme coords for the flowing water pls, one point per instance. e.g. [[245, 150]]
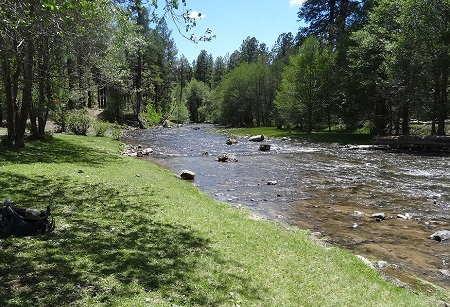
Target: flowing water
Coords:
[[326, 189]]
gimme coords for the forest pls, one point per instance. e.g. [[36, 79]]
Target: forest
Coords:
[[378, 65]]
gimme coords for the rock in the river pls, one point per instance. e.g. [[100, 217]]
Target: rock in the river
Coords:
[[441, 235], [256, 138], [406, 216], [187, 175], [226, 157], [379, 216], [445, 272], [231, 141], [358, 213], [264, 147]]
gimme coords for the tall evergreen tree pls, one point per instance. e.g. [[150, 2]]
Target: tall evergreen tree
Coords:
[[203, 68], [218, 71], [249, 50]]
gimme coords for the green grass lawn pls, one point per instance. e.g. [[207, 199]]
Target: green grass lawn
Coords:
[[314, 137], [129, 233]]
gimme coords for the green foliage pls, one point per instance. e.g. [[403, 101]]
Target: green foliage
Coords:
[[198, 101], [100, 127], [301, 98], [179, 112], [203, 68], [246, 94], [59, 116], [78, 121], [116, 132], [152, 117]]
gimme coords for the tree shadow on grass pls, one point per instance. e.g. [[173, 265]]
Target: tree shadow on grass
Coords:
[[106, 247], [56, 150]]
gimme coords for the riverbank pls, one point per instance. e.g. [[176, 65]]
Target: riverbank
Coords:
[[130, 233], [314, 137]]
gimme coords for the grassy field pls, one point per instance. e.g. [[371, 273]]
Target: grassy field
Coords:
[[315, 137], [129, 233]]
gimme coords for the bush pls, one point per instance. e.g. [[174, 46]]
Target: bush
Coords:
[[180, 113], [116, 132], [78, 122], [152, 116], [100, 127]]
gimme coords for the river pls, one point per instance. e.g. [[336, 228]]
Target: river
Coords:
[[327, 189]]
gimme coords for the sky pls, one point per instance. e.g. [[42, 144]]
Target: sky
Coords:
[[232, 21]]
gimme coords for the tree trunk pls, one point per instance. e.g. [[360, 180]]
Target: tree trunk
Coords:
[[27, 95], [139, 88], [443, 96], [405, 119], [70, 73], [9, 98]]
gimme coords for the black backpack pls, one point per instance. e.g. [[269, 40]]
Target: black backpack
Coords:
[[24, 221]]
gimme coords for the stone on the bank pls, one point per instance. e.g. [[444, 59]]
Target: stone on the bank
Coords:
[[256, 138], [365, 260], [316, 234], [136, 151], [187, 175], [441, 235], [381, 264]]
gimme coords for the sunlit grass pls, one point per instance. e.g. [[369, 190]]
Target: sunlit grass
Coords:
[[314, 137], [129, 233]]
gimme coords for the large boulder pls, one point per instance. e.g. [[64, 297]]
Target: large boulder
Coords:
[[256, 138]]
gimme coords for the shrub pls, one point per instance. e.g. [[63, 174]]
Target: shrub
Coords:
[[116, 132], [78, 122], [152, 116], [100, 127]]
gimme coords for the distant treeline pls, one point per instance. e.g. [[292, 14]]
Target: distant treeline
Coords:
[[375, 64]]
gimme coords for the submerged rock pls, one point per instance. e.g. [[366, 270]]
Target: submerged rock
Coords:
[[231, 141], [379, 216], [264, 147], [406, 216]]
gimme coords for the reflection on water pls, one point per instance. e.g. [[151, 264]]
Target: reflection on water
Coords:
[[320, 186]]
